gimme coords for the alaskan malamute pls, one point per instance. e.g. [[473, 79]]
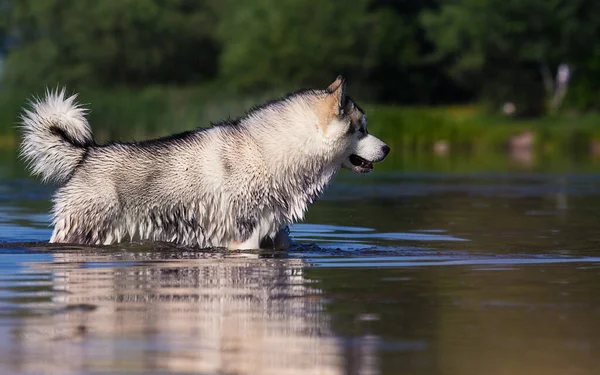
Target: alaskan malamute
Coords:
[[237, 184]]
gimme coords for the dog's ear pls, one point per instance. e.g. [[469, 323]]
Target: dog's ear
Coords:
[[337, 92]]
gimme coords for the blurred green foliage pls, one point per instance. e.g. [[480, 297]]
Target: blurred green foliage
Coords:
[[87, 43], [247, 46], [394, 51], [501, 47]]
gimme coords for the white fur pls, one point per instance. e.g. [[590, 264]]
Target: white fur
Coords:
[[370, 148], [232, 186], [47, 154]]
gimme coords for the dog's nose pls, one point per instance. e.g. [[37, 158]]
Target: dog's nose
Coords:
[[385, 149]]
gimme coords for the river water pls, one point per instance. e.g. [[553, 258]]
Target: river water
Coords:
[[395, 273]]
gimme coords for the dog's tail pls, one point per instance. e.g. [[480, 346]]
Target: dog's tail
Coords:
[[56, 136]]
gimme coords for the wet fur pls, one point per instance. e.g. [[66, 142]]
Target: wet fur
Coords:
[[237, 184]]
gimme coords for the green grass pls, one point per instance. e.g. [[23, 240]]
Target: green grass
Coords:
[[467, 128], [129, 114]]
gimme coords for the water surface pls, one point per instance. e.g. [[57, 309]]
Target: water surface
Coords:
[[398, 273]]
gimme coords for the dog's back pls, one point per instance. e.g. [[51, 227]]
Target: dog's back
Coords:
[[198, 188]]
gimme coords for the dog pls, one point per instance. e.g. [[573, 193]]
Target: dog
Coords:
[[237, 184]]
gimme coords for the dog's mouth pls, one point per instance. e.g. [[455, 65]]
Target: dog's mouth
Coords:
[[360, 165]]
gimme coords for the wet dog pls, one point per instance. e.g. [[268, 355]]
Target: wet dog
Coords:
[[237, 184]]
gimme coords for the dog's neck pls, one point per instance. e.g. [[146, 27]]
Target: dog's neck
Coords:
[[294, 155]]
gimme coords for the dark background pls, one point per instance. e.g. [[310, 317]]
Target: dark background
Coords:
[[400, 52]]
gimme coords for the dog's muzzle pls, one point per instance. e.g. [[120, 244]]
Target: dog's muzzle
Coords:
[[369, 150]]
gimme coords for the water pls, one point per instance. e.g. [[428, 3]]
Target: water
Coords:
[[412, 273]]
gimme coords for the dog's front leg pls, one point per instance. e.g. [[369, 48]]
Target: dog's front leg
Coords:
[[281, 241]]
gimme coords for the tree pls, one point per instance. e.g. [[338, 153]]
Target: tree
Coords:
[[251, 45], [271, 42], [378, 44], [506, 47], [404, 70], [4, 4], [104, 43]]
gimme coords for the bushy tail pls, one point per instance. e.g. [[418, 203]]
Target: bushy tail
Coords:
[[56, 135]]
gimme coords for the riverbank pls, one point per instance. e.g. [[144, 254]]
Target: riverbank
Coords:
[[127, 114]]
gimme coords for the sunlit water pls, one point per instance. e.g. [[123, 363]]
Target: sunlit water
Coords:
[[398, 273]]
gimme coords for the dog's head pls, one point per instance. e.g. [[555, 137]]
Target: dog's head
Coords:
[[345, 124]]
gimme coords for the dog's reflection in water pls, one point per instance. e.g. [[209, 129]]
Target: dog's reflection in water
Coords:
[[182, 312]]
